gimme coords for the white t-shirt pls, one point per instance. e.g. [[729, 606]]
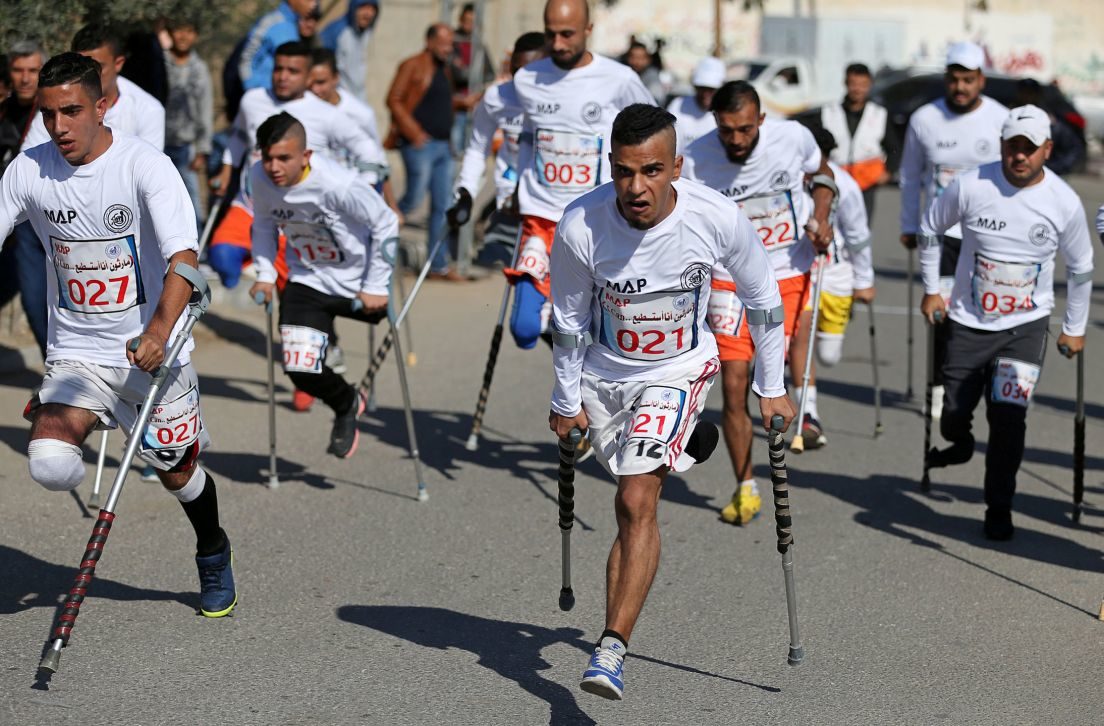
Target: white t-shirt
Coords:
[[108, 228], [329, 132], [135, 113], [850, 260], [498, 109], [1010, 237], [769, 187], [644, 294], [360, 112], [342, 237], [691, 120], [939, 145], [568, 120]]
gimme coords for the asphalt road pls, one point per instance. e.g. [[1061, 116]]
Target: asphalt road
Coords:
[[359, 605]]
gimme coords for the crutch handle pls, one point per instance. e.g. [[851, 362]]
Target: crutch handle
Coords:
[[133, 343], [259, 297], [356, 305], [574, 436], [1064, 350], [937, 316], [778, 423]]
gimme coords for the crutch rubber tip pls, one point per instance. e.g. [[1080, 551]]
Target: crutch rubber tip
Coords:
[[1077, 513], [925, 483], [1102, 610], [878, 430], [798, 444], [423, 495], [411, 359], [567, 599], [796, 655], [94, 501], [50, 662], [273, 482], [473, 443], [370, 406]]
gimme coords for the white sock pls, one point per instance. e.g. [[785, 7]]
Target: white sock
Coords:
[[752, 483], [810, 402], [191, 491]]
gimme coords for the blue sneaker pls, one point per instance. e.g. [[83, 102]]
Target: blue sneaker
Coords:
[[603, 675], [217, 595]]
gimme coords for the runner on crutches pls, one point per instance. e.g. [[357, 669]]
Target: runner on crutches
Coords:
[[121, 273], [342, 239]]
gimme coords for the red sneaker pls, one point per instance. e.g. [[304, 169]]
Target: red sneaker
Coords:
[[301, 400]]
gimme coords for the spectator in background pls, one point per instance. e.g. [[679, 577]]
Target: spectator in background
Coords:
[[692, 115], [18, 113], [348, 37], [421, 103], [189, 114], [640, 60], [308, 27], [1069, 148], [859, 127], [462, 57], [258, 52]]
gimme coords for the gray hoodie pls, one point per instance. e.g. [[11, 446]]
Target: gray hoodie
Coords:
[[189, 112]]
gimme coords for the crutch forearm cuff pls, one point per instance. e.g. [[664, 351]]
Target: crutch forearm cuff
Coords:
[[572, 340], [859, 246], [823, 180], [925, 241], [1078, 278], [765, 317]]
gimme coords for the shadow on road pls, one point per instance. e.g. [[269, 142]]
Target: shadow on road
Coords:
[[27, 582], [249, 468], [894, 505], [512, 650], [239, 333]]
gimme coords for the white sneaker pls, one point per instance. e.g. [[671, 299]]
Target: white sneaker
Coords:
[[937, 402]]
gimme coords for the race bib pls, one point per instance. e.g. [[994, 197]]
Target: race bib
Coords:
[[314, 244], [725, 312], [944, 174], [658, 414], [174, 424], [97, 276], [566, 160], [1014, 381], [533, 258], [1002, 288], [773, 218], [650, 326], [304, 348]]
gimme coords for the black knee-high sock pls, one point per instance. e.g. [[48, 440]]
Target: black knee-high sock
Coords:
[[203, 514]]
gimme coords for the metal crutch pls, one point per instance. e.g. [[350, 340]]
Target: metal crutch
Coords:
[[492, 356], [94, 500], [67, 619], [370, 404], [909, 322], [565, 498], [273, 475], [1079, 438], [925, 480], [784, 523], [874, 370], [411, 357], [798, 444]]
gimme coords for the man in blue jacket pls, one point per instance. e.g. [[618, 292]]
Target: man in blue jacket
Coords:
[[258, 53], [348, 38]]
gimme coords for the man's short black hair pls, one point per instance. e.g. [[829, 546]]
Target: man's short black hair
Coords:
[[97, 35], [529, 42], [733, 95], [324, 57], [72, 68], [858, 69], [295, 48], [824, 139], [639, 122], [279, 127], [468, 8], [433, 30]]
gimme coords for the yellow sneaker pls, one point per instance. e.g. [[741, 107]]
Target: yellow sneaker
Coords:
[[745, 505]]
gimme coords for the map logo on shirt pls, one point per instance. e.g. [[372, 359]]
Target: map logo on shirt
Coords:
[[592, 112], [780, 180], [695, 275], [1039, 235], [118, 217]]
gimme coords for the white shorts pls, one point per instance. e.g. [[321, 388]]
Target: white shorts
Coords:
[[639, 426], [116, 395]]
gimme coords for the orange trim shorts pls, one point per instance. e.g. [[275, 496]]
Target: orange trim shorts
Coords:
[[535, 253], [795, 297], [236, 229]]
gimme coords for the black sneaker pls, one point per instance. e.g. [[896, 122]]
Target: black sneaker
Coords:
[[998, 524], [956, 453], [702, 441], [346, 434]]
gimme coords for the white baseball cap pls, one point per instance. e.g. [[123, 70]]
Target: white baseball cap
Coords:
[[968, 55], [708, 73], [1029, 121]]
